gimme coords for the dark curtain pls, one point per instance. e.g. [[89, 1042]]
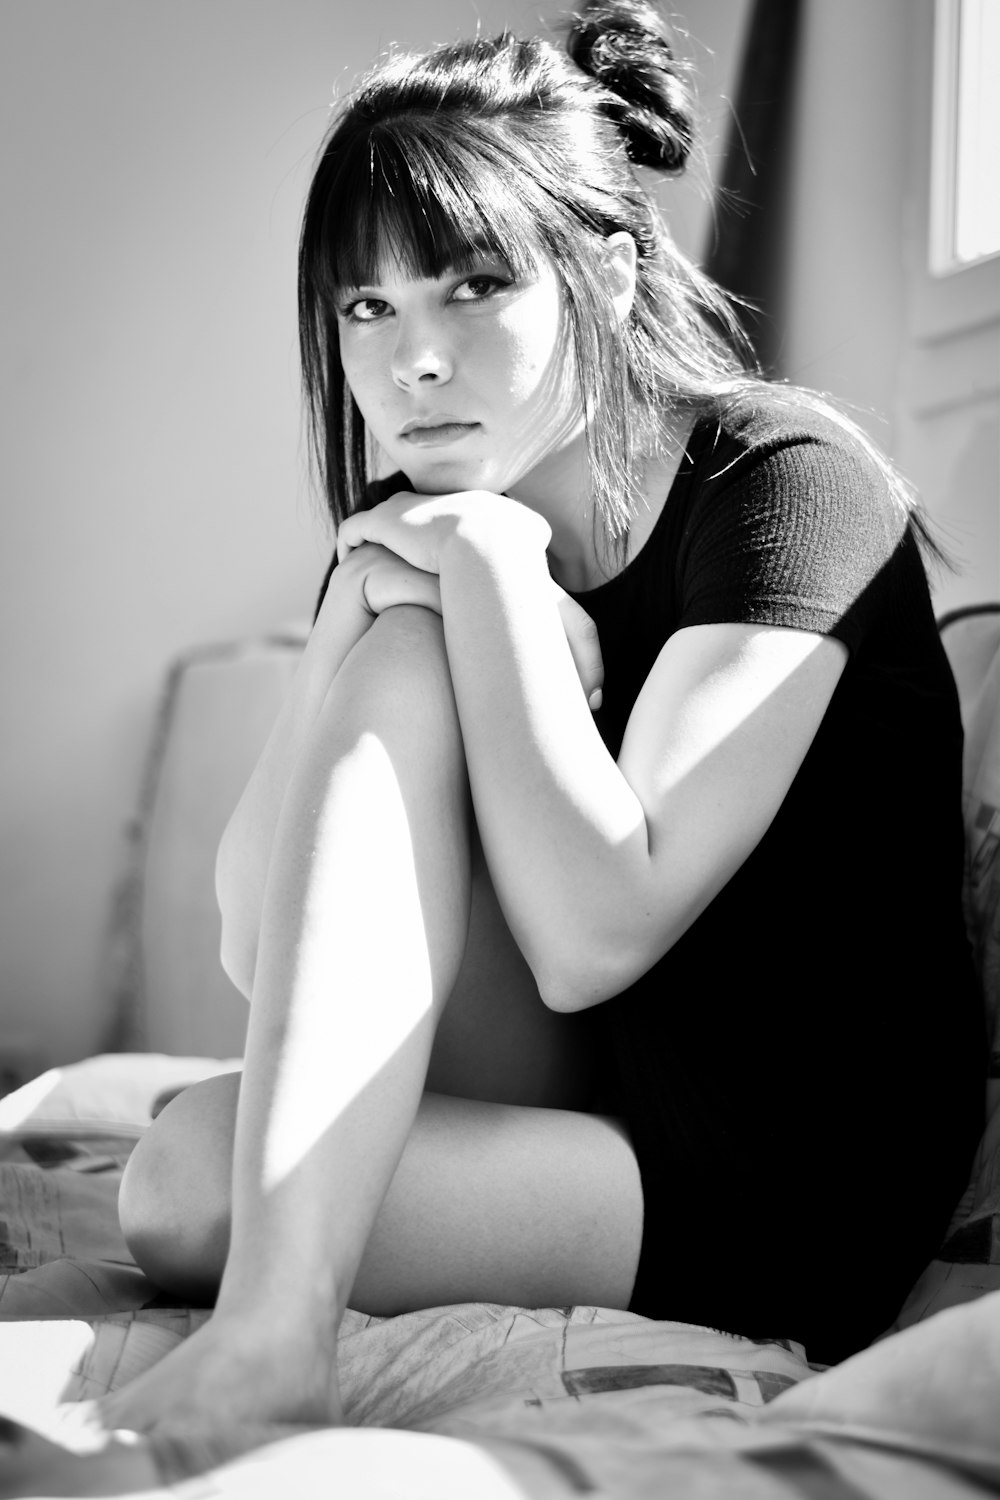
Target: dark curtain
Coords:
[[746, 255]]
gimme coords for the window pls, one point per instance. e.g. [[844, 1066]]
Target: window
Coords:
[[965, 169]]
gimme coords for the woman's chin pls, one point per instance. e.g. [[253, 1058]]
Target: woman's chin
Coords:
[[451, 479]]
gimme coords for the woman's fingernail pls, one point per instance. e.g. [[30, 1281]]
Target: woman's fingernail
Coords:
[[595, 700]]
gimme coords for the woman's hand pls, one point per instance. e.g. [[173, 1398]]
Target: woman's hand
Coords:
[[581, 634], [418, 527], [385, 579]]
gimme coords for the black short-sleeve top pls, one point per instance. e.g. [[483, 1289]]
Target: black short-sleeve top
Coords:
[[824, 1001]]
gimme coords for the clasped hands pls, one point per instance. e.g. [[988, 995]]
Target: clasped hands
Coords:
[[396, 551]]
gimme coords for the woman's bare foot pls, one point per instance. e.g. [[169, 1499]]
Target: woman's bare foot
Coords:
[[227, 1389]]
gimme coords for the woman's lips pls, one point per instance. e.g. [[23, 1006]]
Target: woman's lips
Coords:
[[442, 432]]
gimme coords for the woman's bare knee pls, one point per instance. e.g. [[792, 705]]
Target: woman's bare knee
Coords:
[[403, 652], [174, 1202]]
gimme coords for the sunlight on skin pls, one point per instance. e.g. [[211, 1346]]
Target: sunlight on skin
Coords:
[[734, 697], [505, 362], [555, 437], [484, 349], [265, 1363], [328, 1064], [502, 360]]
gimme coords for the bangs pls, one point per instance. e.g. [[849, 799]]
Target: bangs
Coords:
[[437, 195]]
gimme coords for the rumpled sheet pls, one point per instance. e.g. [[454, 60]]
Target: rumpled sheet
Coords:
[[479, 1401]]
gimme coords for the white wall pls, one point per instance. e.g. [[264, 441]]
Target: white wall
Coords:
[[154, 496], [153, 157], [843, 306]]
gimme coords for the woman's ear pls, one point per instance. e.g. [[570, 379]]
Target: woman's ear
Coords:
[[620, 261]]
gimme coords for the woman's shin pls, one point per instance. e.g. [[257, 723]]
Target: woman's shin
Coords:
[[363, 929]]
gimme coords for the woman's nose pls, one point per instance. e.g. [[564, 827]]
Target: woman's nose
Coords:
[[421, 355]]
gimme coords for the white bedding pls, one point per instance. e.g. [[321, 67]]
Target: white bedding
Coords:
[[480, 1401], [474, 1401]]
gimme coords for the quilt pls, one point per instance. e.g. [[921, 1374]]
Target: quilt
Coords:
[[473, 1400]]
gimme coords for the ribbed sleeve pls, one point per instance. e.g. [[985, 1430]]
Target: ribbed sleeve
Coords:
[[792, 530]]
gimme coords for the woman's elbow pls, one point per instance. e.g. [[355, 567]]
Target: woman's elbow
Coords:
[[596, 970], [576, 982]]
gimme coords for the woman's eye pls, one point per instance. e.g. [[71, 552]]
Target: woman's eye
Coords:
[[365, 310], [478, 288]]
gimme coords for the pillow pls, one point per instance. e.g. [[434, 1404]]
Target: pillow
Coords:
[[220, 707], [111, 1094], [930, 1392]]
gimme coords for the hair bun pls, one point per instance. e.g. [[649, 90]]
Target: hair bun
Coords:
[[625, 46]]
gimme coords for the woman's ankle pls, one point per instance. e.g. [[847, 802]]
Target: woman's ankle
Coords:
[[259, 1328]]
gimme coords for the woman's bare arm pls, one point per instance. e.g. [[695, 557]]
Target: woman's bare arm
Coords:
[[601, 866]]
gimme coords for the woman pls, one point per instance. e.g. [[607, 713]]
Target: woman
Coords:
[[648, 989]]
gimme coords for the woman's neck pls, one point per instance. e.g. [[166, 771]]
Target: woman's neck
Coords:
[[558, 489]]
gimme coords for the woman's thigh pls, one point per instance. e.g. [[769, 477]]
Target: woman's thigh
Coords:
[[506, 1203], [490, 1202]]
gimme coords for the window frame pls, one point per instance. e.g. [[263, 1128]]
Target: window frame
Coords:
[[943, 254]]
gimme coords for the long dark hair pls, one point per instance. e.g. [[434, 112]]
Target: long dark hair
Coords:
[[518, 147]]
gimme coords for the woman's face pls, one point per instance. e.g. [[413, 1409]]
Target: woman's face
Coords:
[[467, 380]]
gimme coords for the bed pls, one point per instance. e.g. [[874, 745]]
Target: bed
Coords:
[[472, 1400]]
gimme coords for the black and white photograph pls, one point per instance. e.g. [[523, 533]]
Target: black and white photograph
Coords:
[[500, 838]]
